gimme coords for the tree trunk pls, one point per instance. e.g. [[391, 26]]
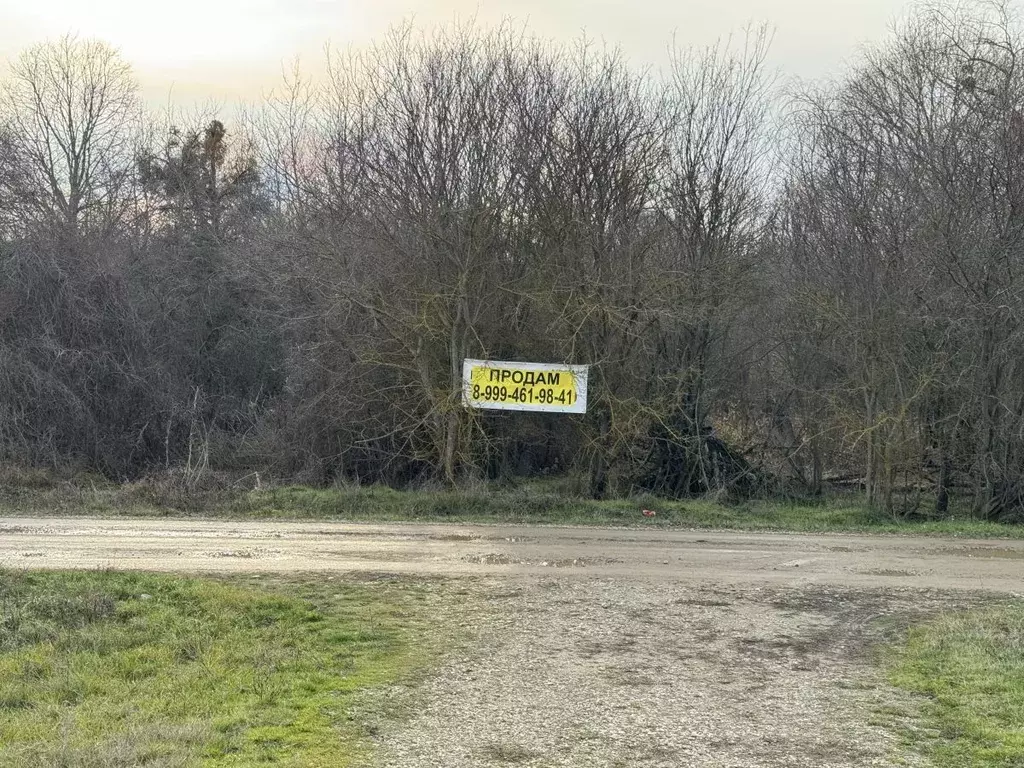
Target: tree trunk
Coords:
[[450, 448], [983, 485], [942, 495], [599, 460], [871, 460]]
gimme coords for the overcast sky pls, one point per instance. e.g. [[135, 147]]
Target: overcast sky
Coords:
[[230, 50]]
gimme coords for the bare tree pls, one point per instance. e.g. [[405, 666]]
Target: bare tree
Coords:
[[713, 209], [71, 107], [907, 236]]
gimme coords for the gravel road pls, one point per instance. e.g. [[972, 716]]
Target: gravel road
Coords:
[[607, 648], [666, 556]]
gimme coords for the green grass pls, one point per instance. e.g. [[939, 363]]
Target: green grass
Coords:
[[105, 670], [970, 668], [529, 503]]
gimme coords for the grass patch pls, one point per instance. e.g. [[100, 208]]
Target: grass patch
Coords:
[[969, 666], [535, 505], [539, 503], [111, 670]]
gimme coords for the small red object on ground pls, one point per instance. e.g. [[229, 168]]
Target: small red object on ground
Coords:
[[648, 512]]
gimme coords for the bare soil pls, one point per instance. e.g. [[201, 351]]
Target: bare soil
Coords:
[[608, 647]]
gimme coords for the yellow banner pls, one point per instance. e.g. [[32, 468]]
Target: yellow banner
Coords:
[[524, 386]]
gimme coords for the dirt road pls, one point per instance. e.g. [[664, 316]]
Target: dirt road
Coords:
[[600, 648], [677, 556]]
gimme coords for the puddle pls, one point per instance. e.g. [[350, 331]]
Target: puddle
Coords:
[[498, 558], [245, 554], [996, 552], [702, 603], [454, 537], [494, 558]]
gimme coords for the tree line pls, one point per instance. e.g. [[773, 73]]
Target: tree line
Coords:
[[778, 289]]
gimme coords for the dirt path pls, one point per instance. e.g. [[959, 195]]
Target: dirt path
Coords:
[[602, 648], [610, 673], [678, 556]]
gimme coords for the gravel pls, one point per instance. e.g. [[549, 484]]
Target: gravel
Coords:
[[607, 673]]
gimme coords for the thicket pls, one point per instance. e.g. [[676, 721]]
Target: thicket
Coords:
[[776, 289]]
